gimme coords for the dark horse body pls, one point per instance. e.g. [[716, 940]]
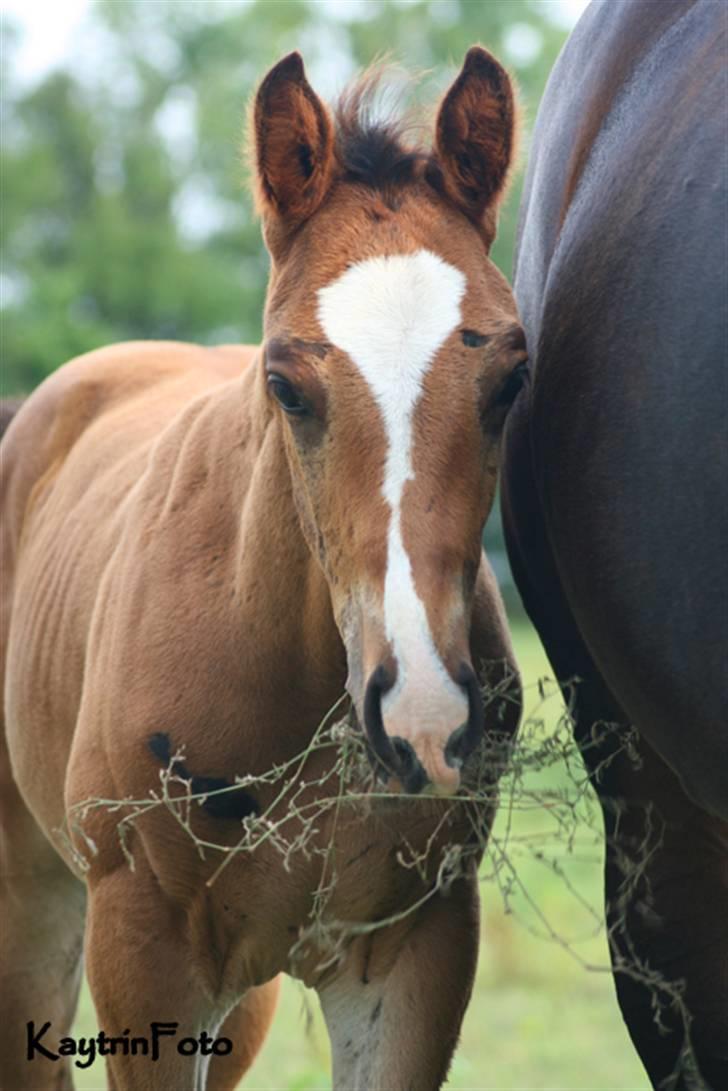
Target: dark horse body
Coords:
[[615, 477]]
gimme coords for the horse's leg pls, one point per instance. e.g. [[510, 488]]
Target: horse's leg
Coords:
[[666, 900], [42, 909], [142, 971], [667, 908], [395, 1006], [246, 1027]]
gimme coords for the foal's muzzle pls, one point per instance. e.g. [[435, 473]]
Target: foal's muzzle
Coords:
[[398, 756]]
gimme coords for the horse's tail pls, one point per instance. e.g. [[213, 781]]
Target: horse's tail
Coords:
[[8, 408]]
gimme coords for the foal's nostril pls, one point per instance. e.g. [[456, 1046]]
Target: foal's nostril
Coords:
[[464, 740], [380, 681], [458, 747], [409, 768]]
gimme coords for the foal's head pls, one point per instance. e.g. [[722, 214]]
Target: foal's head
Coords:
[[392, 353]]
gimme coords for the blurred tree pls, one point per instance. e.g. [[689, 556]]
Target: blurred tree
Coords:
[[124, 212]]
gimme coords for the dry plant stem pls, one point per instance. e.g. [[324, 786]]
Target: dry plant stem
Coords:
[[505, 772]]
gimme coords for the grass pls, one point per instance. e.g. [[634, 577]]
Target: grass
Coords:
[[538, 1019]]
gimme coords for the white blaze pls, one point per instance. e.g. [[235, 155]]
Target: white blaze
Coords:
[[391, 315]]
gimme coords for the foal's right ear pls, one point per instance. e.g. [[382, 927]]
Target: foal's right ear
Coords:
[[294, 140]]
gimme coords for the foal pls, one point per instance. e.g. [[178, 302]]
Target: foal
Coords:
[[202, 548]]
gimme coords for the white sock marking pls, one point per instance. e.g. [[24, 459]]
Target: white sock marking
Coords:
[[391, 315]]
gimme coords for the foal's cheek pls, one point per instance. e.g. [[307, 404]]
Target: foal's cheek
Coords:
[[490, 471], [305, 472]]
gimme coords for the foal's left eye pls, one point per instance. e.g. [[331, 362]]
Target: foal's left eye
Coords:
[[286, 395]]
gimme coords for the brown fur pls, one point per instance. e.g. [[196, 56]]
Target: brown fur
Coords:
[[181, 558]]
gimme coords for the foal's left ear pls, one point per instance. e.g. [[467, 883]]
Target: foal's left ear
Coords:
[[293, 143], [474, 136]]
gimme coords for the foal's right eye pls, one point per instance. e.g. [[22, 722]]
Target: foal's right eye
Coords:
[[286, 395]]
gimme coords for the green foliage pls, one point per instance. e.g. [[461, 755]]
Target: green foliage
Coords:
[[125, 210]]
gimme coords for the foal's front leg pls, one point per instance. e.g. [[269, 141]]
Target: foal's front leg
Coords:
[[142, 971], [395, 1007]]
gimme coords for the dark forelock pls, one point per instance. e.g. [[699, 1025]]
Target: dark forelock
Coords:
[[371, 144]]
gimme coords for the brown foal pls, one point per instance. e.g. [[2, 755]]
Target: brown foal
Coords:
[[201, 548]]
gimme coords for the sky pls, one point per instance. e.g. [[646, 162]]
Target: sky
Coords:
[[49, 27]]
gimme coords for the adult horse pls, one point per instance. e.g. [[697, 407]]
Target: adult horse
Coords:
[[198, 544], [614, 495]]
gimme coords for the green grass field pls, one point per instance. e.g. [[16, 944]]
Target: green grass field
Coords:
[[538, 1018]]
